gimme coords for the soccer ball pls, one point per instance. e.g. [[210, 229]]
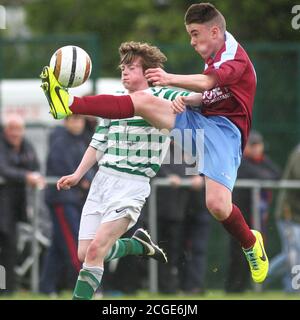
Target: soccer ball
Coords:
[[72, 66]]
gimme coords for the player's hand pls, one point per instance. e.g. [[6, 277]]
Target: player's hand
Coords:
[[178, 105], [158, 77], [66, 182]]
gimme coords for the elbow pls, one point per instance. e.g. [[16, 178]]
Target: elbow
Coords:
[[208, 83], [201, 87], [209, 86], [205, 87]]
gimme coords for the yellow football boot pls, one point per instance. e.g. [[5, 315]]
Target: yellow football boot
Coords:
[[57, 96], [257, 258]]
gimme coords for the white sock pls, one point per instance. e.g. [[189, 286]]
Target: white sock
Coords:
[[97, 272]]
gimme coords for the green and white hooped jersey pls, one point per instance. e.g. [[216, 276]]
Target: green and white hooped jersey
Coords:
[[132, 145]]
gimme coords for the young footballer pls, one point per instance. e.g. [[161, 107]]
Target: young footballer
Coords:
[[129, 154], [227, 84]]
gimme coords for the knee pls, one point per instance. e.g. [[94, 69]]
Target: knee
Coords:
[[219, 207], [140, 97], [140, 100], [95, 251]]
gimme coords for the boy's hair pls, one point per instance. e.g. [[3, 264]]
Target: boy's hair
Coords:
[[151, 56], [205, 13]]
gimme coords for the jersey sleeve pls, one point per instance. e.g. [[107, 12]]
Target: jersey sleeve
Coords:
[[100, 137], [169, 94], [229, 72]]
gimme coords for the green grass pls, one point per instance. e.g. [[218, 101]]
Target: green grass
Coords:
[[209, 295]]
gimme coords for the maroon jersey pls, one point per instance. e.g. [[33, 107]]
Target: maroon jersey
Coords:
[[233, 95]]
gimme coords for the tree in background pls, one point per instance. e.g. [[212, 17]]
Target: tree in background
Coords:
[[160, 22], [156, 21]]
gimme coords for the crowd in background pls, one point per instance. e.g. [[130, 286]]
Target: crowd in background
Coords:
[[183, 221]]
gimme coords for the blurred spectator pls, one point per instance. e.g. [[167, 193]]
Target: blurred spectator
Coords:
[[183, 229], [19, 167], [66, 149], [288, 215], [90, 124], [255, 165]]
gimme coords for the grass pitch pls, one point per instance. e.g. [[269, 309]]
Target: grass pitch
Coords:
[[143, 295]]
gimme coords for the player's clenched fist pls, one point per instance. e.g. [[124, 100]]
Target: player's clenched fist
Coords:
[[66, 182]]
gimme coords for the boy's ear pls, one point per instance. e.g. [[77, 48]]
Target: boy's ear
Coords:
[[214, 31]]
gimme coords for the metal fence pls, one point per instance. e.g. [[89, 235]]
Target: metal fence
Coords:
[[255, 185]]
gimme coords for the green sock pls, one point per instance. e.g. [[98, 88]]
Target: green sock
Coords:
[[124, 247], [88, 281]]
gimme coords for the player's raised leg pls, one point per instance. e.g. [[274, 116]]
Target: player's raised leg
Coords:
[[219, 203], [155, 110]]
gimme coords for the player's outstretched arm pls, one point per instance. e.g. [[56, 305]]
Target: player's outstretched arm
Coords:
[[193, 82], [71, 180]]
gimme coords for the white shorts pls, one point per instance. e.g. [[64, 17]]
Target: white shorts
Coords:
[[113, 195]]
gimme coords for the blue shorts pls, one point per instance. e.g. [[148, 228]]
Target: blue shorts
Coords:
[[221, 145]]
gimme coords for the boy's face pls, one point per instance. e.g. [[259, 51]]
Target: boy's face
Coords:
[[132, 76], [203, 38]]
